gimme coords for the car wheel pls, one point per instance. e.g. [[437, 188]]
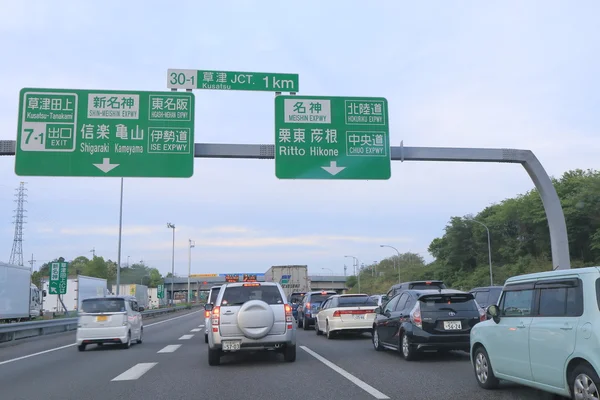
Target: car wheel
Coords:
[[299, 321], [406, 348], [483, 370], [317, 330], [205, 338], [214, 357], [584, 382], [289, 354], [305, 324], [139, 341], [375, 338], [127, 344], [328, 332], [81, 347]]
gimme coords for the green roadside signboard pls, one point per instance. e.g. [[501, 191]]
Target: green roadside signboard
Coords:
[[320, 137], [160, 292], [113, 133], [58, 278], [231, 80]]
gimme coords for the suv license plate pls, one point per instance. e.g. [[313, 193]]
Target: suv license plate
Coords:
[[452, 325], [231, 345]]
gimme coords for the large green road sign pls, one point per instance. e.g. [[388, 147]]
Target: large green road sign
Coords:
[[331, 138], [63, 132], [160, 292], [231, 80], [58, 278]]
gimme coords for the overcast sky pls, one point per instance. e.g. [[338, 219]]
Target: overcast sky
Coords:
[[465, 74]]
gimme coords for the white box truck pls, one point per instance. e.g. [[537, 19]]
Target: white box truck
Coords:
[[292, 278], [139, 291], [78, 289], [20, 300]]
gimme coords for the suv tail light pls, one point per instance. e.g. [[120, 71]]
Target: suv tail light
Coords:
[[415, 315], [482, 316], [288, 316], [216, 318]]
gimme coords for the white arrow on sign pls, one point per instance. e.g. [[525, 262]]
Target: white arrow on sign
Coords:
[[53, 290], [106, 165], [333, 169]]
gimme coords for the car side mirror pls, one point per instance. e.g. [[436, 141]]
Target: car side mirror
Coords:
[[141, 309], [494, 312], [208, 307], [44, 293], [378, 310]]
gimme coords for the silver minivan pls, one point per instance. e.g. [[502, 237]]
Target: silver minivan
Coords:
[[111, 319], [212, 297]]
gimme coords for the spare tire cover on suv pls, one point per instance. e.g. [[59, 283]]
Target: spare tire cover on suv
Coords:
[[255, 319]]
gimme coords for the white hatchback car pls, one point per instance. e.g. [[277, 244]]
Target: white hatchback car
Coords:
[[111, 319]]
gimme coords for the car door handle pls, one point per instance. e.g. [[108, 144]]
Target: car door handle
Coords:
[[521, 326], [566, 328]]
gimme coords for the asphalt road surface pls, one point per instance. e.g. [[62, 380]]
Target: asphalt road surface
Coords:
[[172, 363]]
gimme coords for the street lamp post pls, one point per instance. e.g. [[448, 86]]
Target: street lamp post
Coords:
[[192, 244], [356, 269], [489, 247], [172, 226], [329, 269], [392, 247]]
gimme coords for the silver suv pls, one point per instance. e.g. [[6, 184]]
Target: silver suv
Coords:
[[251, 316]]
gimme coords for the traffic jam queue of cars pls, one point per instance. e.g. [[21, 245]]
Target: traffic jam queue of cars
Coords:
[[540, 330]]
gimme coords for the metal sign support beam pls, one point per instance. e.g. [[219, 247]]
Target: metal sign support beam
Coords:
[[556, 220]]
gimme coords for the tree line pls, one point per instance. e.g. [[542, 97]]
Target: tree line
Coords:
[[98, 267], [520, 240]]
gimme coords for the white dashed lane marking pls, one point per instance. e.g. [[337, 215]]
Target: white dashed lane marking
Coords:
[[170, 348], [135, 372], [186, 337], [196, 330]]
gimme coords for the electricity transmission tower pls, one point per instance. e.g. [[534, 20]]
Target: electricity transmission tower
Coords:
[[16, 255]]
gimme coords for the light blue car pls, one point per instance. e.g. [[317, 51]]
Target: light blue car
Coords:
[[544, 333]]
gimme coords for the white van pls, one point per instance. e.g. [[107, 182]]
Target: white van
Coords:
[[111, 319]]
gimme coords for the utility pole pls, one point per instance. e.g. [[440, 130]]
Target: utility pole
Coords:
[[31, 262], [172, 226], [192, 244], [93, 251]]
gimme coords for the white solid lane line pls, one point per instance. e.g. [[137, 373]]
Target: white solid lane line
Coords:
[[135, 372], [196, 330], [186, 337], [364, 386], [71, 345], [170, 348]]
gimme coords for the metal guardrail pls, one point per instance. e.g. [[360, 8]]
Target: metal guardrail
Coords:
[[22, 330]]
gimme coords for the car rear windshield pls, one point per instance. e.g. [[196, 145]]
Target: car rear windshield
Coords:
[[213, 295], [238, 295], [356, 301], [103, 305], [448, 303], [295, 298], [319, 298]]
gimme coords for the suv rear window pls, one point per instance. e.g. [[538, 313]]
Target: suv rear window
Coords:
[[238, 295], [355, 301], [444, 302], [103, 305], [213, 295]]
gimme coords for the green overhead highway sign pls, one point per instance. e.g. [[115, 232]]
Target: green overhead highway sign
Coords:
[[331, 138], [231, 80], [58, 278], [64, 132]]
